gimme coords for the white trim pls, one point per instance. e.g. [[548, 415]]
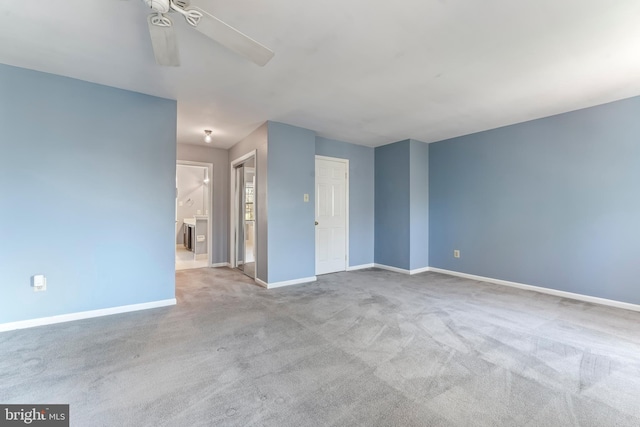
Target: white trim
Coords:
[[346, 206], [285, 283], [402, 270], [420, 270], [233, 203], [555, 292], [388, 267], [244, 157], [31, 323], [209, 167], [290, 282], [220, 264], [360, 267]]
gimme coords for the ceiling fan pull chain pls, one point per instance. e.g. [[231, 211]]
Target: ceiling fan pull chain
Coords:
[[191, 16]]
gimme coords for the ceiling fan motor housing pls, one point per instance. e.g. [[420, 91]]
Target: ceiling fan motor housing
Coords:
[[160, 6], [164, 6]]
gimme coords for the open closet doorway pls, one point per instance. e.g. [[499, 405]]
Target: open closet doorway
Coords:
[[243, 214], [193, 223]]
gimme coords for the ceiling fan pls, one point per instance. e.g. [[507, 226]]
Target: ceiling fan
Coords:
[[163, 37]]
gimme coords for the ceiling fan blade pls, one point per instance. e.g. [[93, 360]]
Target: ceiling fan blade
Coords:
[[233, 39], [165, 44]]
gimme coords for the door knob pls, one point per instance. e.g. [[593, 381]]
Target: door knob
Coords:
[[316, 222]]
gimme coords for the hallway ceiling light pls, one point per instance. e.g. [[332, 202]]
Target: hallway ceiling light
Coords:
[[207, 137]]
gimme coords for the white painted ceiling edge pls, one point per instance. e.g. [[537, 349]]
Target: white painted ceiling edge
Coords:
[[366, 72]]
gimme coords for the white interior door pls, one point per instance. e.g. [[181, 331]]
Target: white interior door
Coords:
[[331, 215]]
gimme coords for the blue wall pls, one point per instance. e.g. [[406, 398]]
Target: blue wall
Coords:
[[361, 195], [553, 202], [419, 204], [87, 178], [392, 205], [291, 230]]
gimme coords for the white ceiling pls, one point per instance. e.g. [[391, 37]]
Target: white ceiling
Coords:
[[363, 71]]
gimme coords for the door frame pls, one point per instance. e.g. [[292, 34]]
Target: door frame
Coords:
[[346, 206], [209, 167], [233, 199]]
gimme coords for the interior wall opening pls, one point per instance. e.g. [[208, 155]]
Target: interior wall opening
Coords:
[[193, 207]]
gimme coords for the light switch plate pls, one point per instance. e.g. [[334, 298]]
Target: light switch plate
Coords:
[[306, 197]]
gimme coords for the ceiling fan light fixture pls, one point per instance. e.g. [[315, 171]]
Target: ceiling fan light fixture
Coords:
[[207, 136]]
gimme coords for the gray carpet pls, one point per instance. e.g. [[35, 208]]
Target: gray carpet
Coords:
[[360, 348]]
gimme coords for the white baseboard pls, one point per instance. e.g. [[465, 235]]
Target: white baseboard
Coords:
[[360, 267], [273, 285], [420, 270], [389, 268], [221, 264], [549, 291], [22, 324], [402, 270]]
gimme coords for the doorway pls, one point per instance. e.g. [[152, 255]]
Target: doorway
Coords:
[[243, 215], [192, 215], [332, 214]]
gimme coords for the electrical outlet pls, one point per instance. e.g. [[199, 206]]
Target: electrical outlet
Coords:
[[39, 283], [456, 253]]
